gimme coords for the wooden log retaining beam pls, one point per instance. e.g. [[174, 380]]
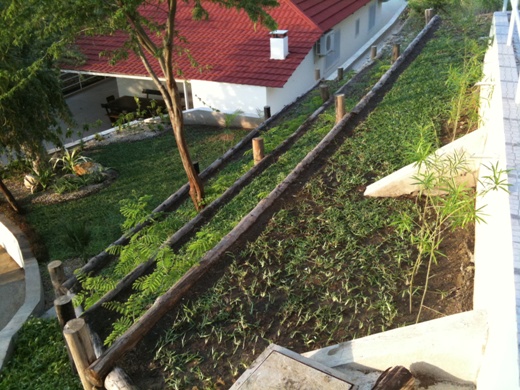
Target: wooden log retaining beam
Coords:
[[98, 370], [189, 228], [97, 262]]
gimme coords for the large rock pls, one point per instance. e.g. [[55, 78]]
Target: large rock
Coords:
[[32, 183], [87, 168]]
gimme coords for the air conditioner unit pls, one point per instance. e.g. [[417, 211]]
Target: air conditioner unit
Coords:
[[326, 44]]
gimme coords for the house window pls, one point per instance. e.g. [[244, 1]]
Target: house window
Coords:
[[357, 27], [371, 16]]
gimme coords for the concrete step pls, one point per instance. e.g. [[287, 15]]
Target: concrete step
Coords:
[[281, 368]]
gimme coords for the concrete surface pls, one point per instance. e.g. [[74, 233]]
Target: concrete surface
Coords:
[[403, 181], [12, 287], [31, 296], [279, 368]]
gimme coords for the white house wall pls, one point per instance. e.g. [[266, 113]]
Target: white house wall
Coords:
[[352, 38], [134, 87], [299, 83], [228, 97]]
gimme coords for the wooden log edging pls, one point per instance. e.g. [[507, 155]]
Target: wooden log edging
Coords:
[[189, 229], [173, 201], [98, 370]]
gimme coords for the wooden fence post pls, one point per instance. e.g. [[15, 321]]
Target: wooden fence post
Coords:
[[57, 274], [64, 309], [80, 345], [65, 312], [373, 53], [340, 107], [317, 74], [258, 149], [324, 91], [267, 112], [196, 166], [340, 74], [396, 52], [428, 15]]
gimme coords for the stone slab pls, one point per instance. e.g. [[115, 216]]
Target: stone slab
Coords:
[[279, 368]]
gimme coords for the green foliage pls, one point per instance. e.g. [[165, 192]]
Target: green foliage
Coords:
[[69, 160], [444, 204], [78, 237], [39, 360], [31, 102]]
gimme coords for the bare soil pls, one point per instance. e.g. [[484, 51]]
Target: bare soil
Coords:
[[451, 291]]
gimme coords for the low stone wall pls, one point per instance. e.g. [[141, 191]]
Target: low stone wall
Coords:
[[17, 245]]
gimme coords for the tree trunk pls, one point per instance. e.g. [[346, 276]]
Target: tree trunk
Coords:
[[177, 120], [10, 198]]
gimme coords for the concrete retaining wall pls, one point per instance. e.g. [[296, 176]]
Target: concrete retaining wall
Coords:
[[12, 236]]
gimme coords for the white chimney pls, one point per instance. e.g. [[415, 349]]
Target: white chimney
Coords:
[[279, 44]]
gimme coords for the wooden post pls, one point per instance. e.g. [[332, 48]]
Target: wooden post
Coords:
[[340, 74], [258, 149], [64, 309], [340, 107], [196, 166], [396, 52], [373, 53], [65, 312], [428, 15], [267, 112], [324, 91], [57, 274], [78, 340], [317, 74]]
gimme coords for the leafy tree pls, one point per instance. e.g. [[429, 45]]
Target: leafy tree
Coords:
[[31, 102], [156, 40]]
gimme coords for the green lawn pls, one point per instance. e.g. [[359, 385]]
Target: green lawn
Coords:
[[148, 167]]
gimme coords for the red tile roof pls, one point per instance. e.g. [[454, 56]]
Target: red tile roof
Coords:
[[227, 47], [327, 13]]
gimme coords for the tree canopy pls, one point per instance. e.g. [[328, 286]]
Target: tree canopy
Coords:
[[31, 102], [154, 39]]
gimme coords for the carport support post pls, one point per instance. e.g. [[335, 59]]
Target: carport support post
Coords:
[[258, 149], [324, 91], [340, 107], [78, 339], [373, 53], [57, 274]]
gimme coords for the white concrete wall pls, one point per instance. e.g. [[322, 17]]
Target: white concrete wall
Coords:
[[134, 87], [494, 287], [10, 243], [350, 43], [300, 82], [229, 97]]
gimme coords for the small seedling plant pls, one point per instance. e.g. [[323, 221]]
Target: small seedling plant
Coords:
[[445, 202]]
